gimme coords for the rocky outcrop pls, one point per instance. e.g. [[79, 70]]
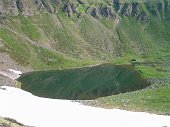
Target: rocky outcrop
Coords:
[[136, 8], [70, 9], [1, 7], [167, 10], [13, 8], [48, 6], [1, 44], [39, 5], [67, 9], [24, 7], [117, 5], [143, 17], [80, 1], [96, 9], [96, 13], [162, 9], [8, 7], [108, 12], [127, 9], [165, 7], [151, 8]]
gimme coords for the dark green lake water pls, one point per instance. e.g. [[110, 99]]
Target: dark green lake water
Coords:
[[83, 83]]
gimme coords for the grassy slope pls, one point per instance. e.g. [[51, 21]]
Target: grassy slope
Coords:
[[155, 100], [27, 42], [154, 36], [148, 46]]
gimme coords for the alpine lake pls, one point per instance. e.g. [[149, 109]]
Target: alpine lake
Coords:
[[83, 83]]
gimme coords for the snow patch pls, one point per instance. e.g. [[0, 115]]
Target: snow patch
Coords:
[[43, 112], [11, 73], [16, 72]]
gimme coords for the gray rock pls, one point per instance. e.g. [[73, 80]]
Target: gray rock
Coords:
[[127, 10], [67, 9], [39, 5], [108, 12], [80, 1], [143, 17], [48, 6], [13, 9], [70, 9], [1, 7], [117, 5], [135, 9], [1, 43], [24, 8], [8, 7], [96, 13]]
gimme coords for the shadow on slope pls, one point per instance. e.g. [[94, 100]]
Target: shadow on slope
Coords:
[[83, 83]]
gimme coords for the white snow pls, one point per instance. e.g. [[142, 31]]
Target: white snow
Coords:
[[17, 72], [43, 112], [10, 73]]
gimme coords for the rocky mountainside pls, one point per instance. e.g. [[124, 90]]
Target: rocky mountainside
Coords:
[[98, 9], [51, 34]]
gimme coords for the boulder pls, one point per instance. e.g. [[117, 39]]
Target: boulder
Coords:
[[127, 9], [1, 7], [108, 12], [96, 13], [24, 7], [143, 17], [135, 9], [70, 9], [48, 6]]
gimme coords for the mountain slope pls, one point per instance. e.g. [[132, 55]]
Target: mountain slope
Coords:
[[56, 34]]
